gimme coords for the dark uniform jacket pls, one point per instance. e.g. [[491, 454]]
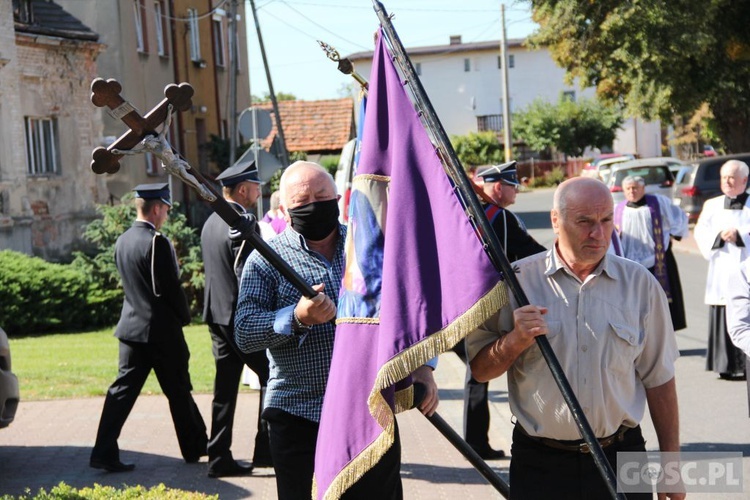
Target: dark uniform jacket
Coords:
[[514, 238], [155, 306], [223, 260]]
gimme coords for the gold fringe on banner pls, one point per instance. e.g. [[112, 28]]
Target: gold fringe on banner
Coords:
[[398, 368]]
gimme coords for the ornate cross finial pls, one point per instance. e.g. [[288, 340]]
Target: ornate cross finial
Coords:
[[107, 93], [344, 65]]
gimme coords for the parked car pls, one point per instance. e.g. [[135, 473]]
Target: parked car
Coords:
[[9, 395], [708, 150], [655, 171], [703, 183], [681, 175], [599, 168]]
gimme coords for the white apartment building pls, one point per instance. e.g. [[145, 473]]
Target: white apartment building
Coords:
[[464, 84]]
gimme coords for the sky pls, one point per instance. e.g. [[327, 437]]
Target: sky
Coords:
[[290, 30]]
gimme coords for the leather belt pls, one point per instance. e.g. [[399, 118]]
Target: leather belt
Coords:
[[577, 446]]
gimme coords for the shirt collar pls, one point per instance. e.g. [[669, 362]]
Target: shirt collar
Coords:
[[142, 221], [297, 238], [555, 264], [239, 208], [735, 203], [636, 204]]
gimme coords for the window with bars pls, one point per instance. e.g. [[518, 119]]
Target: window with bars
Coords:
[[218, 36], [162, 28], [139, 16], [42, 147], [195, 37]]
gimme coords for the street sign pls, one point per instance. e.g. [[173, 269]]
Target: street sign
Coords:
[[254, 124], [267, 164]]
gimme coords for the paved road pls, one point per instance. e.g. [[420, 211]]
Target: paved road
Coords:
[[50, 441]]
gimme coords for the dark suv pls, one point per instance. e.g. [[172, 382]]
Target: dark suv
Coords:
[[704, 183]]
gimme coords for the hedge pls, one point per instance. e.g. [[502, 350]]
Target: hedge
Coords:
[[64, 492], [39, 296]]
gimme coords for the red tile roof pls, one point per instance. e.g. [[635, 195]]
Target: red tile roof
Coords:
[[314, 126]]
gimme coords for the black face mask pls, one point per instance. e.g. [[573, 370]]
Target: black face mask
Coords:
[[315, 220]]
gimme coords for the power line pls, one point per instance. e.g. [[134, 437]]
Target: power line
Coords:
[[199, 16]]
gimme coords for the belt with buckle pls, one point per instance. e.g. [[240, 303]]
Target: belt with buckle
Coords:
[[577, 446]]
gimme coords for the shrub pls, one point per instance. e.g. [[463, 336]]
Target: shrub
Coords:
[[64, 492], [38, 296]]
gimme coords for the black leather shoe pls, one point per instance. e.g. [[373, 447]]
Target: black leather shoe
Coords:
[[490, 454], [111, 466], [230, 469]]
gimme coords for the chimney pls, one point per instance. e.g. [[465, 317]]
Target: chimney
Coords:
[[455, 40]]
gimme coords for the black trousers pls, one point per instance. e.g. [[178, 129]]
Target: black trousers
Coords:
[[540, 472], [382, 482], [476, 406], [169, 360], [722, 356], [293, 441], [229, 362]]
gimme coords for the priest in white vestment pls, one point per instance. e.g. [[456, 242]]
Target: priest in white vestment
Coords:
[[646, 224], [723, 237]]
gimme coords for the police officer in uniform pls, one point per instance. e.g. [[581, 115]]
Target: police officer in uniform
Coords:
[[150, 333], [223, 260], [500, 186]]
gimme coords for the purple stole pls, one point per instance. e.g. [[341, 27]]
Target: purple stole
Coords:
[[660, 263]]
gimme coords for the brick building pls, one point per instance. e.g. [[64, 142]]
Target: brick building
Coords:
[[47, 129]]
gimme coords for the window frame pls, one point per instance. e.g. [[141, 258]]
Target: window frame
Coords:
[[162, 28], [139, 18], [42, 146], [218, 42], [195, 37]]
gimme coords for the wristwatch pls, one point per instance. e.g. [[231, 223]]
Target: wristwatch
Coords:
[[299, 327]]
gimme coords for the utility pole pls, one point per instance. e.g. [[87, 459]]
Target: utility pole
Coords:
[[279, 128], [507, 136], [232, 106]]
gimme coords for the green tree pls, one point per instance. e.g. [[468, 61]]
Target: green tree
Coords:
[[99, 265], [477, 148], [266, 97], [659, 59], [569, 127], [217, 149]]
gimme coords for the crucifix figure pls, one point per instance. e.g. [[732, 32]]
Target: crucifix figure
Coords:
[[172, 163]]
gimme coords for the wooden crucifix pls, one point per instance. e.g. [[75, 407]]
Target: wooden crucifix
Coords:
[[142, 137]]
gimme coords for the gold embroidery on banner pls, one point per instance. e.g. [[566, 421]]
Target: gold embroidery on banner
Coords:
[[398, 368], [359, 321]]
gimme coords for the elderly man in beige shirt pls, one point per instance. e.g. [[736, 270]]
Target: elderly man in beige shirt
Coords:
[[607, 320]]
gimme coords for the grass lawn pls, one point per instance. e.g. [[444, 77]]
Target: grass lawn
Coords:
[[72, 365]]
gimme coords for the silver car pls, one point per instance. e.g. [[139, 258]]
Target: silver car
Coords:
[[655, 171], [9, 394]]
